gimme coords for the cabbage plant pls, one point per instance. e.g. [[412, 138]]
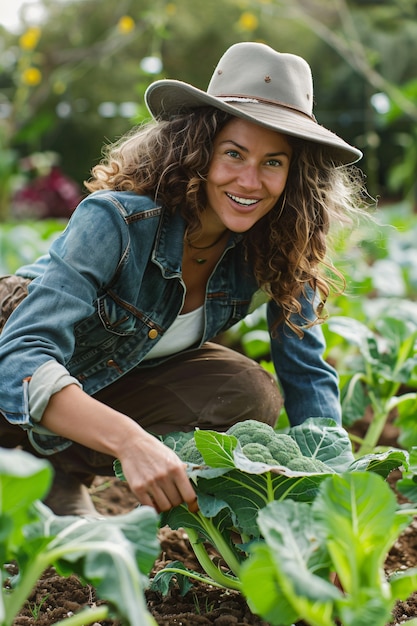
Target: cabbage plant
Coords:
[[232, 490], [114, 554], [375, 375], [348, 529]]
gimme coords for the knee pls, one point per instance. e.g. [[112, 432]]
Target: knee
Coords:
[[260, 397], [251, 393]]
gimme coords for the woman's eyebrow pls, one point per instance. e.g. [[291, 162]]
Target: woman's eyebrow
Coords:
[[268, 154]]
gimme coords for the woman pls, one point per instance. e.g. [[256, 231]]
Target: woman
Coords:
[[223, 201]]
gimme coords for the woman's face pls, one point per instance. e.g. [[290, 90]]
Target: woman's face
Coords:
[[247, 175]]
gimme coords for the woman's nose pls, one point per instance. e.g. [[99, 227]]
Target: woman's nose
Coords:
[[249, 178]]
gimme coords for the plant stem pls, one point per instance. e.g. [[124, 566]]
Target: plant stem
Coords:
[[355, 438], [85, 617], [407, 512], [374, 431], [14, 600], [207, 564], [193, 575], [221, 545]]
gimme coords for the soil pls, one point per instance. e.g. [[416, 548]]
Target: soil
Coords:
[[56, 598]]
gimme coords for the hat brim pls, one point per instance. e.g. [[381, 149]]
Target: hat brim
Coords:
[[165, 98]]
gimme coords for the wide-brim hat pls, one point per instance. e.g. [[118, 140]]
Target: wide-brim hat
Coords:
[[254, 82]]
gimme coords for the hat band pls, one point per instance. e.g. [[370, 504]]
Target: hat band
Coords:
[[255, 100]]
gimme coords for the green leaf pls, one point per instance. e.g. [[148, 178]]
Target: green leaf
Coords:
[[396, 331], [256, 343], [23, 480], [267, 599], [406, 419], [232, 481], [137, 530], [296, 551], [357, 334], [354, 400], [111, 553], [323, 439], [165, 579], [114, 554], [349, 529], [246, 493], [403, 584], [211, 508], [381, 463], [407, 485], [360, 529], [216, 448], [299, 545]]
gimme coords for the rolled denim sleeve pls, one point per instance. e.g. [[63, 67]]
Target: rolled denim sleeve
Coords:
[[309, 384], [48, 379]]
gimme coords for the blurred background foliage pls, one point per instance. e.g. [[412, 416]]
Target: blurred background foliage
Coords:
[[75, 79]]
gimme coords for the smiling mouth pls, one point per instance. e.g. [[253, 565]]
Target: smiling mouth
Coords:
[[242, 201]]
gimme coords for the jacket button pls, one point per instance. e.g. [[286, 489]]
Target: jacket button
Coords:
[[153, 333], [112, 363]]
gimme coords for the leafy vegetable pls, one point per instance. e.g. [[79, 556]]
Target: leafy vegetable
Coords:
[[279, 447], [386, 360], [113, 554], [348, 529], [191, 454], [407, 485], [232, 489]]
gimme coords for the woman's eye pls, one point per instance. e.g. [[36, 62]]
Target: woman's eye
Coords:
[[233, 153], [274, 163]]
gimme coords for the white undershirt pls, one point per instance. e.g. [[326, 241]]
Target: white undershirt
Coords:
[[184, 332]]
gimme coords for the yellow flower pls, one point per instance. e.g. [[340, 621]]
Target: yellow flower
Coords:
[[125, 24], [171, 8], [29, 39], [31, 76], [59, 87], [248, 22]]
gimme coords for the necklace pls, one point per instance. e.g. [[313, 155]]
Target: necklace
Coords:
[[202, 260]]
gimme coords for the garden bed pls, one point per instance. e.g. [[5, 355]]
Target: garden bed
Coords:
[[55, 598]]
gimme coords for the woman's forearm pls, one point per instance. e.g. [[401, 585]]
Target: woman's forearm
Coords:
[[73, 414], [155, 474]]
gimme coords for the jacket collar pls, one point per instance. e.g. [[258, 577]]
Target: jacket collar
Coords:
[[167, 252], [168, 249]]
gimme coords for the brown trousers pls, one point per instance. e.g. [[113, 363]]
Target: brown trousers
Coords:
[[210, 388]]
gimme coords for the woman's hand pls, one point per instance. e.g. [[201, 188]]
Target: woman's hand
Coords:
[[153, 471], [155, 474]]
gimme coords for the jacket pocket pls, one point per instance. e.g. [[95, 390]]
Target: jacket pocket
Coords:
[[115, 318]]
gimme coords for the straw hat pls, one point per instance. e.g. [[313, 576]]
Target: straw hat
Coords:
[[254, 82]]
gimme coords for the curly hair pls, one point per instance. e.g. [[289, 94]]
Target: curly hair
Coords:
[[287, 248]]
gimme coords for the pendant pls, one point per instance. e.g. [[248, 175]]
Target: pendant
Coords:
[[200, 261]]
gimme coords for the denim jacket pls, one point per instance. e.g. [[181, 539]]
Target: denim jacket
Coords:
[[110, 287]]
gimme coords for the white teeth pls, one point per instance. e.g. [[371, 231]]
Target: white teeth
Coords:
[[244, 201]]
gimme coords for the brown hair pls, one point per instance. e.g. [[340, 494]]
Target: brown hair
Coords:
[[287, 248]]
